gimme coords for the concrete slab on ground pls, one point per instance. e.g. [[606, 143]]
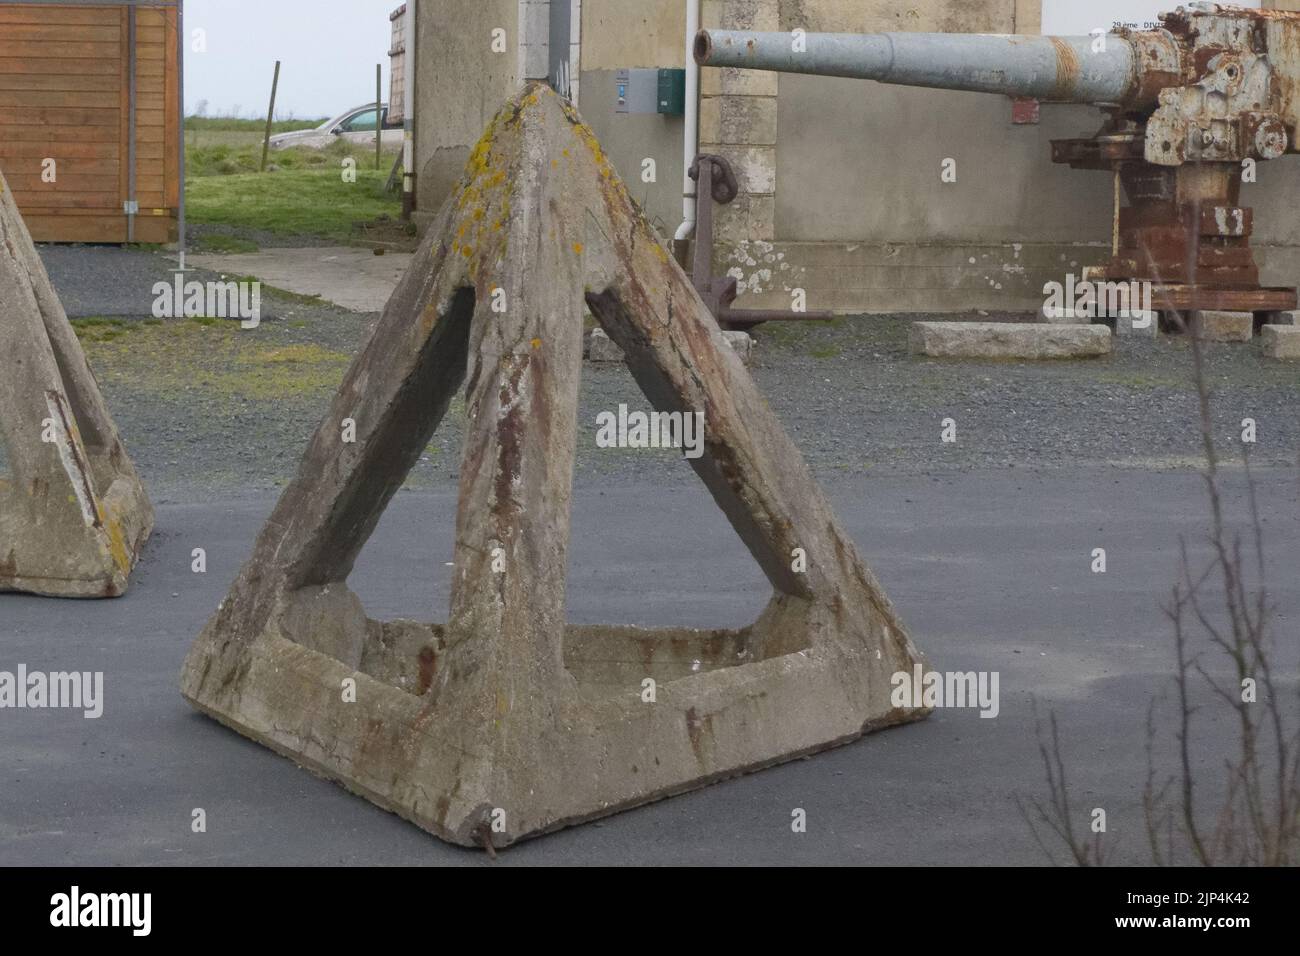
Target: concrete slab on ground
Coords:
[[1003, 340], [355, 279]]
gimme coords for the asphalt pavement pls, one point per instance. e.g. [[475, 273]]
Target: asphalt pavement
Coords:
[[990, 570]]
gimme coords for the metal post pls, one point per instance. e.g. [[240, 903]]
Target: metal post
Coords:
[[132, 203], [180, 122], [270, 116], [379, 113]]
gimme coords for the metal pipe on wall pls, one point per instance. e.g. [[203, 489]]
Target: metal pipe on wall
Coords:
[[691, 131]]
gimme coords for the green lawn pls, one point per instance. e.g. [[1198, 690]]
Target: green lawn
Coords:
[[202, 131], [300, 202], [302, 193]]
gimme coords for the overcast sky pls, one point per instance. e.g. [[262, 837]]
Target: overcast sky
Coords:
[[1081, 17], [328, 50]]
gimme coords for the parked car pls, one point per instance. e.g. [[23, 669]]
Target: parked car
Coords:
[[356, 125]]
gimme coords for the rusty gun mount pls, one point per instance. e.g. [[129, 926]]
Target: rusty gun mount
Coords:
[[1189, 108]]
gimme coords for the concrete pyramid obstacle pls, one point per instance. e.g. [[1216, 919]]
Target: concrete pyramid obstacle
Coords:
[[73, 515], [506, 721]]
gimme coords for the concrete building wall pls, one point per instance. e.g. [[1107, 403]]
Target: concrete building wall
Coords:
[[460, 84], [635, 34]]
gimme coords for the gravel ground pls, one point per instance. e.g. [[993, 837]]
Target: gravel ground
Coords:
[[96, 281], [205, 405]]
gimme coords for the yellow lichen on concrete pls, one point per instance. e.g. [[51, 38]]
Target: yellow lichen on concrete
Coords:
[[117, 543]]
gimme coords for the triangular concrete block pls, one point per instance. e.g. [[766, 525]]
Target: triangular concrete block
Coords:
[[73, 515], [506, 721]]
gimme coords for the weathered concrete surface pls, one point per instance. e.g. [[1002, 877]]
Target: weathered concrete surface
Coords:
[[1281, 341], [1213, 326], [355, 279], [73, 515], [507, 722], [1005, 340], [460, 78], [601, 348], [742, 343]]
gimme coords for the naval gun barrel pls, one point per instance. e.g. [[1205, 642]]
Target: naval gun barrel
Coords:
[[1054, 69]]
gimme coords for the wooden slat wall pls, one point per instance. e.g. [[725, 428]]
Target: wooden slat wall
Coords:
[[64, 94]]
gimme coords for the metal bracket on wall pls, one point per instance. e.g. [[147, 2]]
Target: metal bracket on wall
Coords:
[[715, 178]]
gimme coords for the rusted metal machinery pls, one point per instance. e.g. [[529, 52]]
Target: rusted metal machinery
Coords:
[[1189, 107], [716, 179]]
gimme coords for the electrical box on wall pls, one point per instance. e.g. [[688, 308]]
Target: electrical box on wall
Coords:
[[672, 92], [651, 91]]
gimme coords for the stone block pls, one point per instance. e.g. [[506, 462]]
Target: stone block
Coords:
[[1281, 341], [1007, 340], [1217, 326], [742, 343], [601, 348]]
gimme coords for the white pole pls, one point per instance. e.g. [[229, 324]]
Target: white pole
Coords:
[[691, 136], [408, 113]]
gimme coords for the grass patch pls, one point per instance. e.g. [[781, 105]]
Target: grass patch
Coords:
[[825, 352], [215, 358], [292, 202], [100, 329], [302, 193], [202, 124], [209, 131]]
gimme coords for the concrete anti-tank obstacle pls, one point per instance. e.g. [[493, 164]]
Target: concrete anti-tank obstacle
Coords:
[[73, 514], [506, 721]]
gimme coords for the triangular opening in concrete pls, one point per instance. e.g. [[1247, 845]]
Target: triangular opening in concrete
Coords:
[[506, 721], [73, 515], [625, 569]]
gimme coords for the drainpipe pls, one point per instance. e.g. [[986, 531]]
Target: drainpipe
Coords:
[[408, 113], [691, 135]]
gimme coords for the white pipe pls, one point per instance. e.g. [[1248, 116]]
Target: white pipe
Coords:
[[408, 105], [691, 135]]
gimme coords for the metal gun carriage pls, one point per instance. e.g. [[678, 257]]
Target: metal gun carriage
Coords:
[[1189, 109]]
